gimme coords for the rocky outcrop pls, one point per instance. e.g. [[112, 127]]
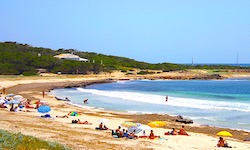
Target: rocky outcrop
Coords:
[[186, 77], [183, 120]]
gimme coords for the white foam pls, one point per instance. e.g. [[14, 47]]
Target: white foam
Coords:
[[172, 101], [139, 112], [204, 118]]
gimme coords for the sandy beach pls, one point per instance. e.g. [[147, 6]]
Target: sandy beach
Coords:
[[82, 136]]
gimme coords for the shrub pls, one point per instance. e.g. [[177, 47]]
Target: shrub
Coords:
[[19, 141]]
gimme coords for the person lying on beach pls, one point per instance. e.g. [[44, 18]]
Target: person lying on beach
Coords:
[[65, 116], [182, 131], [223, 143], [85, 122]]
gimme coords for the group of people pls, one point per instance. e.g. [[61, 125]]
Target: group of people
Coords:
[[175, 132], [122, 133], [102, 127], [12, 99]]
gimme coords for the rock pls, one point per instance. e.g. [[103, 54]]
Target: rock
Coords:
[[183, 120]]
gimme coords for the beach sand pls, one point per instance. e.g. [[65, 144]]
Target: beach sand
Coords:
[[81, 136]]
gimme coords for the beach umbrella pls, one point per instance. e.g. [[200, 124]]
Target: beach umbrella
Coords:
[[44, 109], [17, 97], [13, 102], [156, 124], [74, 113], [128, 124], [10, 95], [103, 120], [224, 133], [134, 128], [144, 127], [2, 101]]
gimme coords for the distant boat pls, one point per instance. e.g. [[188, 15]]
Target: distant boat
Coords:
[[62, 99]]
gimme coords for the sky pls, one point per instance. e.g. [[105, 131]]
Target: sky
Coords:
[[153, 31]]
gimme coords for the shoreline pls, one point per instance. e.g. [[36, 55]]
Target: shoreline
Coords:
[[57, 85], [171, 115], [33, 91], [141, 113]]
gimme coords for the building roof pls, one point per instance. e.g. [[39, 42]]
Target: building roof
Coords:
[[69, 56]]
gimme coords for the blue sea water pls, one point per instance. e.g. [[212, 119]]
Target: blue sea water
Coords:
[[221, 103]]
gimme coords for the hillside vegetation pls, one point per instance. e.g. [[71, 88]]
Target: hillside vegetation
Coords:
[[13, 141], [16, 58]]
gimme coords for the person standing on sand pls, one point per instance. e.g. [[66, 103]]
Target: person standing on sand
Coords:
[[43, 93], [166, 98], [3, 90]]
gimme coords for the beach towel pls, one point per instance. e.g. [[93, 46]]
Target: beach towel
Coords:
[[46, 116]]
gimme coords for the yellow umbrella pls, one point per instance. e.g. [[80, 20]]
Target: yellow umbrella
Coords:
[[156, 124], [224, 133], [129, 124]]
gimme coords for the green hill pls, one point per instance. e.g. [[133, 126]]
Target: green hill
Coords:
[[16, 58]]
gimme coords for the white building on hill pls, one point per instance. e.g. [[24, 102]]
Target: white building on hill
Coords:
[[71, 57]]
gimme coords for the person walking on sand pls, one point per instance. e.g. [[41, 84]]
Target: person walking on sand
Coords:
[[166, 98]]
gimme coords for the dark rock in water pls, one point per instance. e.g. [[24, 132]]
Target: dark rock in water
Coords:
[[180, 117], [186, 121], [182, 120]]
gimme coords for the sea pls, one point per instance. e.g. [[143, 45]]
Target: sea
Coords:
[[220, 103]]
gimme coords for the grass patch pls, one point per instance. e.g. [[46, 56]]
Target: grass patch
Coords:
[[22, 142]]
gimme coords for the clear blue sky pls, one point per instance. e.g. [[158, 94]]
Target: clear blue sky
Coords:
[[154, 31]]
